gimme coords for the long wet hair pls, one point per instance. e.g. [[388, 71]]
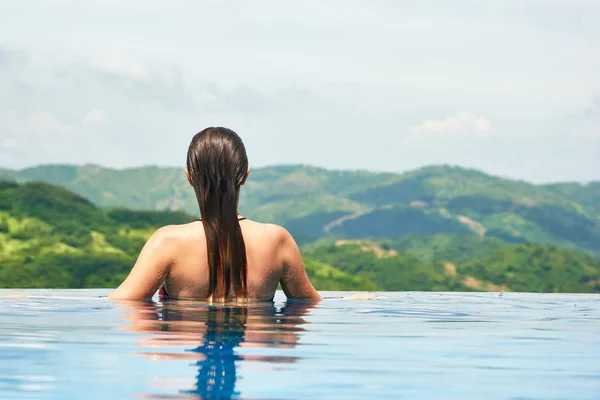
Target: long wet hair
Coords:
[[217, 165]]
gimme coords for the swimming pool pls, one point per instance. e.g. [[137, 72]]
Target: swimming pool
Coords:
[[73, 344]]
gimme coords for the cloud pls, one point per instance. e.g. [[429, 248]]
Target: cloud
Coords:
[[247, 99], [167, 86], [94, 116], [585, 123], [12, 59], [594, 109], [126, 79], [153, 79], [8, 143], [45, 122], [461, 122], [121, 66]]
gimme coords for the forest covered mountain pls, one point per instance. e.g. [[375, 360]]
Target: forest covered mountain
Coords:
[[436, 228], [53, 238], [314, 203]]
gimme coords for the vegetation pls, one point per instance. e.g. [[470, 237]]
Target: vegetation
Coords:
[[387, 268], [525, 267], [453, 248], [314, 202], [537, 268], [436, 228], [326, 277], [588, 195], [52, 238]]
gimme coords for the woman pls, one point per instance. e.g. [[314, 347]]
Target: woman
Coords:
[[223, 256]]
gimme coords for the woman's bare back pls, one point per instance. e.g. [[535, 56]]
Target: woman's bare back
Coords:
[[176, 257], [189, 275]]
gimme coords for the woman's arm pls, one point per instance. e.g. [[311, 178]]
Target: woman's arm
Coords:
[[149, 271], [295, 282]]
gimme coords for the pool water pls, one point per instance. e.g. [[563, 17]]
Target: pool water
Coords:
[[76, 344]]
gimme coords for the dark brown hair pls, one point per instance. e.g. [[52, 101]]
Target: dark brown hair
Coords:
[[217, 164]]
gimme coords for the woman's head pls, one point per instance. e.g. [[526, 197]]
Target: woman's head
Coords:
[[217, 156], [217, 166]]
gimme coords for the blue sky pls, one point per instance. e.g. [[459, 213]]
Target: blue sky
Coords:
[[510, 87]]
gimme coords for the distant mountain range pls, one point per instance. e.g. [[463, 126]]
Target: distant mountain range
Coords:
[[53, 238], [316, 203]]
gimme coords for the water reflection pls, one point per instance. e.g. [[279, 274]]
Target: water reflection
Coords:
[[212, 336]]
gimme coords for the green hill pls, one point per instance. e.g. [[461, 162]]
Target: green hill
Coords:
[[314, 202], [453, 248], [525, 267], [537, 268], [587, 194], [53, 238], [387, 268]]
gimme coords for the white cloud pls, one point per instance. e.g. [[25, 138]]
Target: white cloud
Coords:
[[6, 159], [96, 115], [584, 123], [45, 122], [461, 122], [121, 66], [8, 143], [588, 131]]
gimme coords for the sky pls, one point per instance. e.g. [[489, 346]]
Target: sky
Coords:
[[510, 87]]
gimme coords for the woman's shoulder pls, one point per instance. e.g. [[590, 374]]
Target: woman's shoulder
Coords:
[[278, 237], [272, 232], [170, 233]]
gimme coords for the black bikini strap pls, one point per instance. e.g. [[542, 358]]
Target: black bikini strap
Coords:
[[239, 219]]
